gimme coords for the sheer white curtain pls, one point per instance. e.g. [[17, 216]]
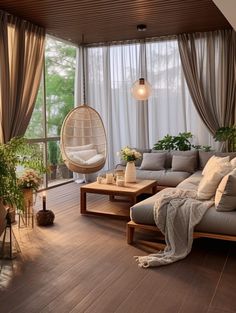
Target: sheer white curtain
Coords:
[[170, 107], [111, 70], [110, 73]]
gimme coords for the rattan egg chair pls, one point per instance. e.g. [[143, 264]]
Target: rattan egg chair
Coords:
[[83, 140]]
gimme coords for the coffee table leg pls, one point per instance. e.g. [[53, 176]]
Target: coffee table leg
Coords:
[[82, 201], [154, 190], [133, 200]]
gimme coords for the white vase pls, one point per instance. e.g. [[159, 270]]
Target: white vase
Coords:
[[130, 173]]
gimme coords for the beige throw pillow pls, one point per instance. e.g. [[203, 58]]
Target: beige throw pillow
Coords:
[[210, 181], [225, 198], [213, 163], [153, 161], [183, 163], [233, 162]]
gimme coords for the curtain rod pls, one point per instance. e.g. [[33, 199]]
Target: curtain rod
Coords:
[[136, 41], [129, 41]]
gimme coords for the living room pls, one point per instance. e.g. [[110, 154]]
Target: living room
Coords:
[[155, 82]]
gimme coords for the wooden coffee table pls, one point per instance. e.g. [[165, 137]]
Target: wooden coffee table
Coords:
[[131, 191]]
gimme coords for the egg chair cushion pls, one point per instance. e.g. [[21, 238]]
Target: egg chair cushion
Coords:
[[84, 155], [95, 160], [79, 148]]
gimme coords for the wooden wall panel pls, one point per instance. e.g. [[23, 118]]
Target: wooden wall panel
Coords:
[[108, 20]]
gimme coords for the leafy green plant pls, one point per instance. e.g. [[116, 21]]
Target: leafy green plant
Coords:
[[179, 142], [53, 152], [227, 135], [17, 152], [27, 154], [10, 193], [203, 148]]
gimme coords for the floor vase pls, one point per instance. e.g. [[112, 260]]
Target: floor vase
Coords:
[[130, 173]]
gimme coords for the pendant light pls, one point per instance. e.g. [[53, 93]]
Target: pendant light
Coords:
[[141, 89]]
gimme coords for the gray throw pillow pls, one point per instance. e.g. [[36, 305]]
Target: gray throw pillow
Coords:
[[225, 198], [182, 163], [153, 161]]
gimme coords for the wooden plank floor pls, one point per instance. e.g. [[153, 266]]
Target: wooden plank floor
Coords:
[[83, 264]]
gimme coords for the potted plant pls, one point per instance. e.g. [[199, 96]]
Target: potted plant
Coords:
[[12, 154], [53, 158], [10, 193], [228, 136], [180, 142]]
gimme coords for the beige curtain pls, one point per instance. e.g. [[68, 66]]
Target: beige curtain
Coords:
[[21, 62], [208, 62]]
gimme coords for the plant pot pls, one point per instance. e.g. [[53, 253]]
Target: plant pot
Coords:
[[65, 172], [130, 173], [45, 217], [53, 171]]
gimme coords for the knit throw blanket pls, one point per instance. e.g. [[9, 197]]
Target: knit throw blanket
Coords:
[[176, 212]]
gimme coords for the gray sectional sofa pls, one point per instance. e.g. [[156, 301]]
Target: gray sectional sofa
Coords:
[[214, 224], [169, 177]]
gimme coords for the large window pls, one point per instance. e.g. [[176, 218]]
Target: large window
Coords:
[[55, 99]]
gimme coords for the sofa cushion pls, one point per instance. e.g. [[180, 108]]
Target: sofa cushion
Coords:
[[183, 163], [192, 182], [212, 221], [163, 178], [225, 198], [213, 163], [153, 161], [139, 161], [205, 156]]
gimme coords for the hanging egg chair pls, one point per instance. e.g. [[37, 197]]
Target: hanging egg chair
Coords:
[[83, 140]]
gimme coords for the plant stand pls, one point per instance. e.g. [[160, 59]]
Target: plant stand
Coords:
[[27, 216], [6, 251]]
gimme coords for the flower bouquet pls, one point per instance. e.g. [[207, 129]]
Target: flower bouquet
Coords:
[[129, 155], [29, 180]]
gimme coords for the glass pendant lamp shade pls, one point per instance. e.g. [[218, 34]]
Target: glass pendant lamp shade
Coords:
[[141, 89]]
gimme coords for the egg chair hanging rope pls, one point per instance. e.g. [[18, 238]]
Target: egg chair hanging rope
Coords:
[[83, 69]]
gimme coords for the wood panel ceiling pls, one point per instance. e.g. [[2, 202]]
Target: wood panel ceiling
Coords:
[[108, 20]]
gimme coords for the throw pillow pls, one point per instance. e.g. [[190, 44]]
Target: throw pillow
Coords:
[[213, 163], [84, 155], [225, 198], [210, 181], [183, 163], [153, 161], [188, 153], [233, 162]]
